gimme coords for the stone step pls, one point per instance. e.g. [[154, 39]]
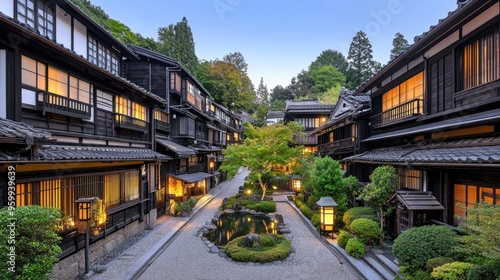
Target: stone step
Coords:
[[388, 263], [381, 269]]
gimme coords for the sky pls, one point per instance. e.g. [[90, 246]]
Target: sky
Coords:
[[280, 38]]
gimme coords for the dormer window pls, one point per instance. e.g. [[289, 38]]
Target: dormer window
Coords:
[[37, 15], [102, 56]]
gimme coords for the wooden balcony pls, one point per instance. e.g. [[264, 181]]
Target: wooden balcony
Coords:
[[346, 144], [312, 140], [161, 125], [53, 103], [408, 110], [127, 122]]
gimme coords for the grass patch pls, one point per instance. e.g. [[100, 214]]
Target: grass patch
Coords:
[[250, 202], [271, 249]]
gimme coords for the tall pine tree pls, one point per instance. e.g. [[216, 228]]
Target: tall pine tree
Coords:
[[399, 44], [177, 42], [361, 63]]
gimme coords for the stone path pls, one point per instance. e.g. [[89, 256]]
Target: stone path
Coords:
[[187, 257]]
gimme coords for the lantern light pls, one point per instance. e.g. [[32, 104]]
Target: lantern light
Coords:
[[84, 208], [327, 213]]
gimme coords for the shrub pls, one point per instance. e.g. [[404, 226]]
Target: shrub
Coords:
[[355, 247], [421, 275], [343, 238], [311, 201], [358, 212], [267, 240], [36, 241], [367, 230], [435, 262], [307, 211], [452, 271], [265, 206], [191, 202], [316, 220], [236, 250], [414, 247], [489, 270]]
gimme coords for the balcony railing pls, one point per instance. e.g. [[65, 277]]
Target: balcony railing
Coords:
[[196, 168], [312, 140], [337, 145], [399, 113], [53, 103], [127, 122], [161, 125]]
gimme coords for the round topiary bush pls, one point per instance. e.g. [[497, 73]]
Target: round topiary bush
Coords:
[[435, 262], [488, 270], [416, 246], [266, 206], [316, 220], [343, 238], [367, 230], [268, 251], [355, 247], [452, 271], [358, 212]]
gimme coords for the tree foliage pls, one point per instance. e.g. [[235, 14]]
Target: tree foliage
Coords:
[[361, 63], [326, 77], [328, 180], [262, 150], [399, 44], [384, 180], [177, 41], [481, 227], [331, 58], [228, 86], [34, 239], [238, 60]]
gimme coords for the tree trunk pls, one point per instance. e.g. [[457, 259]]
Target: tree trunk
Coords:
[[263, 186], [381, 218]]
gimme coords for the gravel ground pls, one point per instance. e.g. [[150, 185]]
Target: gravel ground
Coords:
[[187, 257]]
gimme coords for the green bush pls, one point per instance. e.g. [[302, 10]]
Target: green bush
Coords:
[[311, 201], [191, 202], [355, 247], [452, 271], [437, 261], [316, 220], [343, 238], [34, 239], [265, 206], [307, 211], [367, 230], [488, 270], [238, 252], [414, 247], [421, 275], [267, 240], [359, 212]]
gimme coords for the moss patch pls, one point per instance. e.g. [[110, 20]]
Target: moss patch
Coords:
[[268, 252]]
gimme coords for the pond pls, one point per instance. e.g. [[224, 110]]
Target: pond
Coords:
[[230, 226]]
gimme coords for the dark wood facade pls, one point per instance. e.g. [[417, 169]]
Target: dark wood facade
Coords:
[[62, 75], [435, 112]]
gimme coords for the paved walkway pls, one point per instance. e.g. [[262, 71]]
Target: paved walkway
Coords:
[[187, 256]]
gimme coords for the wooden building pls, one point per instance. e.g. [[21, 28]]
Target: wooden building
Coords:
[[311, 114], [199, 128], [435, 113], [340, 136], [72, 126]]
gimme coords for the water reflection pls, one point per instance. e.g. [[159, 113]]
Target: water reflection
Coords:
[[230, 226]]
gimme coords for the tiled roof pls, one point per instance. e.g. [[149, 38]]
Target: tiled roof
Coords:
[[192, 177], [57, 152], [178, 149], [275, 114], [11, 131], [466, 151], [415, 200]]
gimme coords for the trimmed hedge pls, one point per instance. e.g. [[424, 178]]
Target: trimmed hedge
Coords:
[[359, 212], [266, 206], [343, 238], [316, 220], [307, 211], [355, 247], [414, 247], [279, 251], [436, 262], [367, 230], [452, 271]]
